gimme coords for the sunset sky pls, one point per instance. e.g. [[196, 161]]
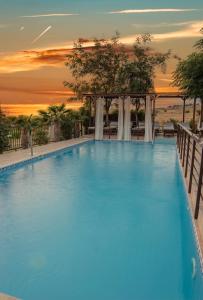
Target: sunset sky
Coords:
[[36, 35]]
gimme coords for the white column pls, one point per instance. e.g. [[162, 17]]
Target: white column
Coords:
[[99, 119], [148, 120], [127, 120], [120, 119]]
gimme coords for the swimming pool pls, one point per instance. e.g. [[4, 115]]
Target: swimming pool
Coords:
[[99, 221]]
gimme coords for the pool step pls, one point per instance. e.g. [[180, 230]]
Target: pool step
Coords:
[[7, 297]]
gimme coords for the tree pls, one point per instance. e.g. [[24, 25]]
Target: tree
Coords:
[[4, 131], [26, 123], [138, 73], [110, 67], [188, 75], [53, 116], [199, 44], [97, 70]]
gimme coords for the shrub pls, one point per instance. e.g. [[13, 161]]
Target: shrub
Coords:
[[4, 130], [66, 128], [40, 137], [141, 115]]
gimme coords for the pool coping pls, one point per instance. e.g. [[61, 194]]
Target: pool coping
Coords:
[[194, 225], [45, 154]]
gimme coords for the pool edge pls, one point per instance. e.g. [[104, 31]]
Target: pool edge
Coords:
[[40, 156]]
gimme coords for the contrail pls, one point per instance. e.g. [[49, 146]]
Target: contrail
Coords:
[[41, 34], [49, 15]]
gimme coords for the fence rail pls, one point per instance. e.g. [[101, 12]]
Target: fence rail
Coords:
[[191, 156], [14, 139]]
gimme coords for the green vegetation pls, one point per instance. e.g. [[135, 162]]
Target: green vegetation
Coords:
[[40, 136], [4, 130], [54, 124], [188, 75]]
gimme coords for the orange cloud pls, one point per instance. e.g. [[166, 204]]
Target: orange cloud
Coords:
[[35, 59], [32, 60]]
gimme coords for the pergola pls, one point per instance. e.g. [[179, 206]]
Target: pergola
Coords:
[[124, 100]]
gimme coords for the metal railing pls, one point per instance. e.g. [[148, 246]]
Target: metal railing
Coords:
[[15, 136], [190, 151]]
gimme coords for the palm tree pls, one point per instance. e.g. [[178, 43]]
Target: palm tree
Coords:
[[26, 123], [53, 116]]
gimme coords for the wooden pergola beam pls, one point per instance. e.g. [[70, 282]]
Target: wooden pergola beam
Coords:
[[136, 95]]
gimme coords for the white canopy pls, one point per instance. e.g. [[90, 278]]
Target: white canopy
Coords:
[[120, 119], [148, 120], [127, 120]]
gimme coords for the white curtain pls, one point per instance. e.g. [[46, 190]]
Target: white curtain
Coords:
[[127, 120], [120, 119], [148, 120], [99, 119]]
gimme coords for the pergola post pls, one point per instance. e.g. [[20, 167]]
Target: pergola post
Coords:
[[120, 118], [148, 119], [99, 122], [127, 119]]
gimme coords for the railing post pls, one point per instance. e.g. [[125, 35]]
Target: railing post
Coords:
[[182, 141], [199, 188], [178, 136], [187, 156], [184, 146], [192, 166]]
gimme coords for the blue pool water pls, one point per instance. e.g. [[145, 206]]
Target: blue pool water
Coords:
[[100, 221]]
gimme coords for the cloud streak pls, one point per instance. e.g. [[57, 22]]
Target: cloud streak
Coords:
[[49, 15], [164, 24], [189, 31], [152, 10], [41, 34]]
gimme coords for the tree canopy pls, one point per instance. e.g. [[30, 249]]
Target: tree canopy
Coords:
[[188, 75], [110, 67]]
